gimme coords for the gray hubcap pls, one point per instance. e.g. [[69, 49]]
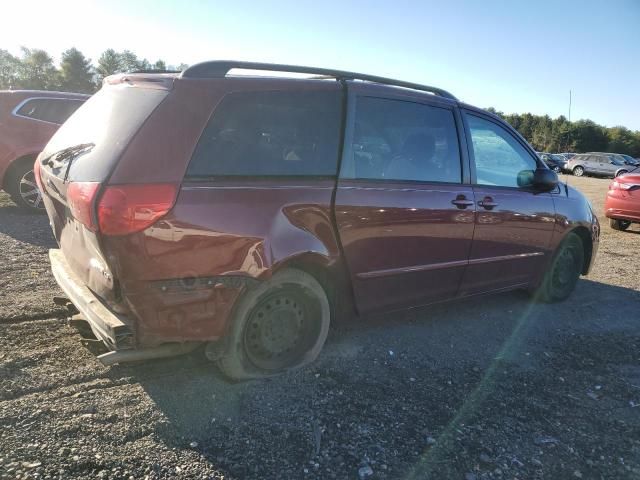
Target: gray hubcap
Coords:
[[29, 191]]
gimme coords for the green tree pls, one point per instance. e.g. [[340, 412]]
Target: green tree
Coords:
[[76, 72], [589, 136], [108, 64], [129, 62], [622, 140], [37, 71], [160, 65], [9, 68]]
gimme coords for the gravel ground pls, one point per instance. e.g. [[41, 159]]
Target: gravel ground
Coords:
[[493, 387]]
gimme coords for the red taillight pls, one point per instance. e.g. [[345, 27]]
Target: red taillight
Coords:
[[80, 197], [37, 173], [125, 209], [616, 185]]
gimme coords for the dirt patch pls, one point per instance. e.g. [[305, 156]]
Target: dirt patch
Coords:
[[496, 387]]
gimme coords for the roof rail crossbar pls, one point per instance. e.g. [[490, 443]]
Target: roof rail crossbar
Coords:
[[220, 68]]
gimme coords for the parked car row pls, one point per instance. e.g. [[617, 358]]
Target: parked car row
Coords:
[[28, 119], [600, 164], [592, 163]]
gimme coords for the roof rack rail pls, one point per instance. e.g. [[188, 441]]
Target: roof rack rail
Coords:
[[220, 68], [153, 70]]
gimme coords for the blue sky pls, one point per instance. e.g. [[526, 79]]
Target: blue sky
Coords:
[[517, 56]]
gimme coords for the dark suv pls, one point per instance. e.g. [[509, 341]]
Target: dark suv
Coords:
[[246, 213], [28, 119], [554, 161]]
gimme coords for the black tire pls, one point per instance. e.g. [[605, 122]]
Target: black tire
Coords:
[[20, 184], [578, 171], [279, 325], [565, 269], [557, 169], [620, 172], [621, 225]]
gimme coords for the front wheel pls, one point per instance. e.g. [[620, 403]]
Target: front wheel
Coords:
[[556, 169], [22, 186], [279, 325], [619, 224], [578, 171], [565, 269]]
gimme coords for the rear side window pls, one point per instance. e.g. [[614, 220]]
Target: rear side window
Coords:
[[53, 110], [270, 134], [399, 140]]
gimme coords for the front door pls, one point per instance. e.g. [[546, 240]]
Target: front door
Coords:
[[514, 223], [404, 216]]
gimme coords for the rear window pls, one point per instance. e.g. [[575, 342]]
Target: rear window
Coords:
[[53, 110], [270, 134], [108, 120]]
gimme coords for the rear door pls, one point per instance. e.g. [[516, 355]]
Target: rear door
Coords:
[[404, 213], [514, 223], [599, 164], [82, 154]]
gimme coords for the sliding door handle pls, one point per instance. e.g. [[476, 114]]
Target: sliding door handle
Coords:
[[461, 202], [487, 203]]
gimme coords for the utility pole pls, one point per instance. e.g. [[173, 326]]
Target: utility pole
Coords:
[[569, 105]]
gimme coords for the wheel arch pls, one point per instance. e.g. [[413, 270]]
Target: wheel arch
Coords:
[[330, 273], [587, 243], [13, 165]]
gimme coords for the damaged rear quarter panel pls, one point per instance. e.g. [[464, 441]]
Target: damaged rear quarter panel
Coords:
[[240, 229]]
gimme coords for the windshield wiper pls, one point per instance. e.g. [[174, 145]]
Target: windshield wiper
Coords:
[[73, 154], [69, 154], [65, 153]]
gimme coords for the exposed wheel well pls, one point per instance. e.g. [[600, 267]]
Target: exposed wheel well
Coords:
[[13, 165], [587, 244], [333, 279]]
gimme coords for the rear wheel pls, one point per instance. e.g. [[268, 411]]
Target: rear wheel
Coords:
[[280, 325], [619, 224], [22, 187], [578, 171], [561, 278]]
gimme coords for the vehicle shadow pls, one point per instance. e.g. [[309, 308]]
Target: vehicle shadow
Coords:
[[417, 369], [24, 226]]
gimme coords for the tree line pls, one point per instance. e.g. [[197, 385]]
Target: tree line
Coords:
[[35, 69], [557, 135]]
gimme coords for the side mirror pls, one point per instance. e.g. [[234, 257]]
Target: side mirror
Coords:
[[544, 179]]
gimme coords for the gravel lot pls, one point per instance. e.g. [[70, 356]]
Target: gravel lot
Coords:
[[493, 387]]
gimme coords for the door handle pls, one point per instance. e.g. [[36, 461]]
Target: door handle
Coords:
[[487, 203], [461, 202]]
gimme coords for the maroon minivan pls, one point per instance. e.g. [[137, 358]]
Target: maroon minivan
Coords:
[[244, 213]]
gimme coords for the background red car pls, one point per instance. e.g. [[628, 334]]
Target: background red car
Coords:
[[28, 119], [622, 205]]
